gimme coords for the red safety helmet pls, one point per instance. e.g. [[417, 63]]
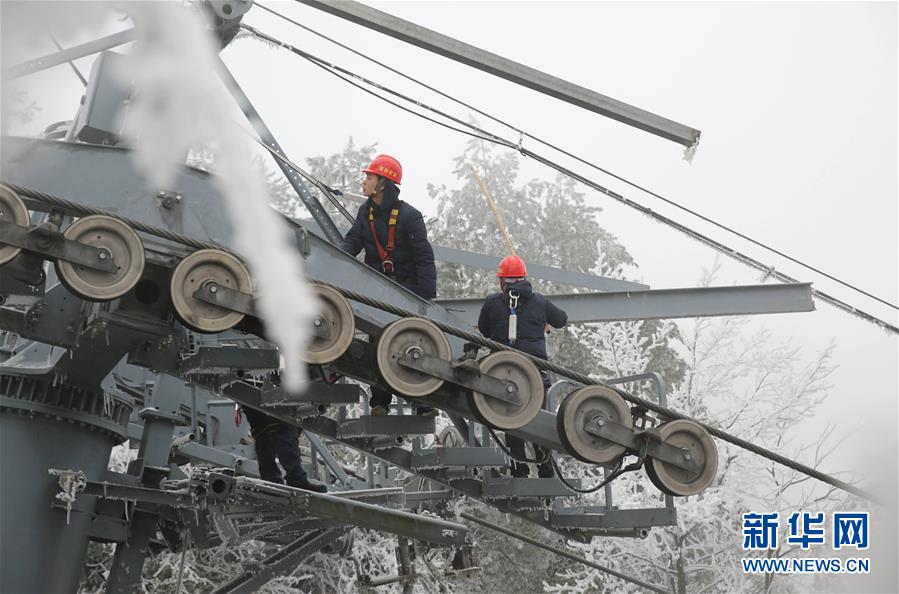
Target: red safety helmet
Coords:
[[386, 166], [511, 267]]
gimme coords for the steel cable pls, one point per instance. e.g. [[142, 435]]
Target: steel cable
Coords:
[[664, 412], [546, 143], [343, 73]]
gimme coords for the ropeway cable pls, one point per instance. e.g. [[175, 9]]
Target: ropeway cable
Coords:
[[484, 135], [620, 178], [662, 411]]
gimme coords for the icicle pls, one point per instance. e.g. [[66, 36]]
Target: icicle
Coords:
[[690, 152], [71, 483]]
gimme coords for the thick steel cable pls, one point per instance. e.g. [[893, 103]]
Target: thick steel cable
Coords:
[[83, 209], [586, 380], [662, 411], [336, 71], [612, 174], [343, 73]]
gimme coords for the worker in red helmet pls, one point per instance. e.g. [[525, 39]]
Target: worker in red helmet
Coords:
[[517, 316], [395, 240]]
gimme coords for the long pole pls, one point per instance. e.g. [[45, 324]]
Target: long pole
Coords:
[[565, 554], [492, 204]]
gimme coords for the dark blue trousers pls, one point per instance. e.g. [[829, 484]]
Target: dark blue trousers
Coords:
[[276, 439]]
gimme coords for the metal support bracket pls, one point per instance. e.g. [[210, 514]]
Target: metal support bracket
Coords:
[[213, 359], [52, 245], [315, 393], [462, 373], [368, 426], [454, 456], [636, 441], [226, 297]]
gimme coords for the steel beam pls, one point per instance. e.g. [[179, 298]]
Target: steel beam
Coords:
[[309, 200], [556, 275], [510, 70], [123, 189], [286, 559], [67, 55], [699, 302]]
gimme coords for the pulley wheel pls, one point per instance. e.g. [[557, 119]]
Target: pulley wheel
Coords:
[[194, 271], [336, 318], [116, 239], [518, 369], [695, 440], [12, 210], [585, 406], [396, 339]]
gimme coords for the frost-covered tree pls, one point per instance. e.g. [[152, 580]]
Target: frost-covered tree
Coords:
[[747, 385], [549, 223]]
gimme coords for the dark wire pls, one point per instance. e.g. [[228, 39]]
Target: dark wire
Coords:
[[503, 447], [616, 472], [330, 193], [387, 67], [573, 156], [336, 71], [768, 270]]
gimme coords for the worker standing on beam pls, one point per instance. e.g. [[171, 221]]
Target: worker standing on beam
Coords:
[[275, 439], [518, 317], [395, 240]]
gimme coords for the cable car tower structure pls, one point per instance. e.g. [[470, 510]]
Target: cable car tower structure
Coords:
[[146, 329]]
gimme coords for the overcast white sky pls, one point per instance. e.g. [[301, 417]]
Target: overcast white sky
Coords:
[[796, 103]]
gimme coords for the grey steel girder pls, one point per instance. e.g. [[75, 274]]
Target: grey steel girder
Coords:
[[235, 492], [542, 430], [309, 200], [67, 55], [556, 275], [285, 559], [510, 70], [697, 302], [200, 214]]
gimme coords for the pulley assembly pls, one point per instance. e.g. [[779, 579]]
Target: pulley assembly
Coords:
[[334, 326], [118, 243], [212, 271]]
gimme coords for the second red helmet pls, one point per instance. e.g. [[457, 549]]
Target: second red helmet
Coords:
[[386, 166], [511, 267]]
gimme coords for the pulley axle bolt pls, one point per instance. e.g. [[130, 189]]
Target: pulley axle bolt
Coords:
[[102, 255], [213, 289]]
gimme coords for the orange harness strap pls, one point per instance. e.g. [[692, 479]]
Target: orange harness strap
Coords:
[[385, 254]]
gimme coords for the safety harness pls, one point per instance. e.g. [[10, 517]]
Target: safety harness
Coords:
[[385, 254]]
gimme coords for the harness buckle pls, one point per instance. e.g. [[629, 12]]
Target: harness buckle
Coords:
[[387, 266]]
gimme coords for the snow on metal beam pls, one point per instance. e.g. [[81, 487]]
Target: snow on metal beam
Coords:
[[666, 303], [557, 275], [67, 55]]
